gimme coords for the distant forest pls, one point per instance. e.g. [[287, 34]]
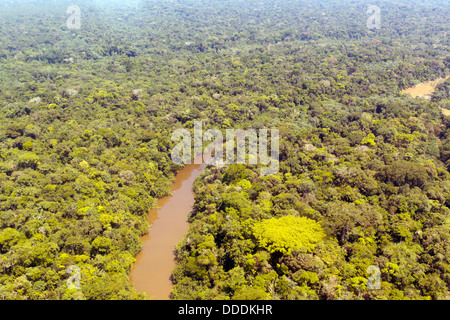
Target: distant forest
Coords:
[[86, 117]]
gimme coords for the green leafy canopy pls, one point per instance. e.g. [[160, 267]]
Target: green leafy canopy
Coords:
[[288, 233]]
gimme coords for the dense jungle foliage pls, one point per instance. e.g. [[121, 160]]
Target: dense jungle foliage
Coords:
[[86, 118]]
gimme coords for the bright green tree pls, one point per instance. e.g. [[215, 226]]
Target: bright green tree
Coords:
[[287, 233]]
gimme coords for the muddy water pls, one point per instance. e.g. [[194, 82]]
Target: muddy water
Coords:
[[425, 90], [168, 225]]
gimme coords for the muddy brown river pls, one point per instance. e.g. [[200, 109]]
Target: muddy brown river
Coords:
[[168, 225], [425, 90]]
